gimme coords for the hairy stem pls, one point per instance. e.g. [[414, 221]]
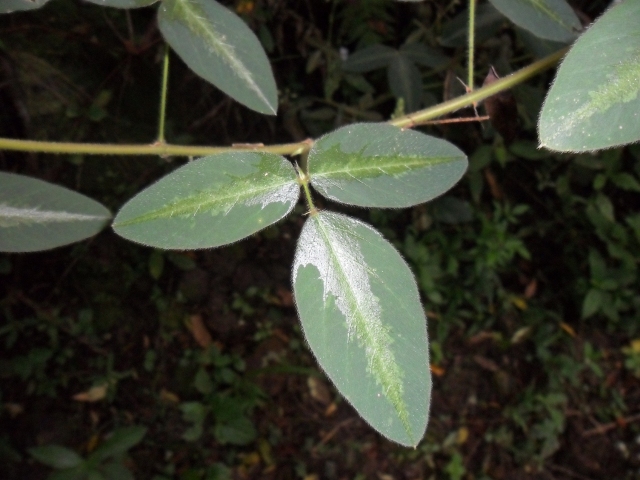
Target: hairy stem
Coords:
[[163, 94], [471, 35], [297, 148]]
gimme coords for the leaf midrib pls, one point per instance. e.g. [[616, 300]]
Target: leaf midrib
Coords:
[[189, 203]]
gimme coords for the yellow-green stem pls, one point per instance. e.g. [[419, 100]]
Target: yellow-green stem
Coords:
[[417, 118], [304, 181], [472, 22], [163, 94], [297, 148]]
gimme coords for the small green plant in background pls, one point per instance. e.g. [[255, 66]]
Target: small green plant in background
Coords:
[[106, 462], [357, 300]]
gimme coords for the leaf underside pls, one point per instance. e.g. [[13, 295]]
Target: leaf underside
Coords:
[[361, 314]]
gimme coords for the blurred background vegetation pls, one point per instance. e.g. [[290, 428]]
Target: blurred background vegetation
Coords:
[[528, 268]]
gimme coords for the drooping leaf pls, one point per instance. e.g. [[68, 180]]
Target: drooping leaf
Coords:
[[56, 456], [488, 22], [8, 6], [594, 101], [405, 81], [369, 58], [550, 19], [36, 215], [380, 165], [217, 45], [123, 3], [360, 311], [211, 202]]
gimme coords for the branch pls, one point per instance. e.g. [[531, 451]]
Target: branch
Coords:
[[297, 148]]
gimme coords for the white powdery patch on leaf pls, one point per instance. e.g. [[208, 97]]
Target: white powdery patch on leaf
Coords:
[[329, 242], [12, 216]]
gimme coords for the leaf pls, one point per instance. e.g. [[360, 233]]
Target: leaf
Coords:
[[550, 19], [592, 302], [36, 215], [380, 165], [594, 101], [424, 55], [116, 471], [488, 22], [8, 6], [369, 58], [56, 456], [360, 311], [123, 3], [211, 202], [239, 431], [217, 45], [121, 440], [405, 81], [94, 394], [195, 413]]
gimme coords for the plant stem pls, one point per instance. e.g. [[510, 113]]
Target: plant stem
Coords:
[[163, 94], [504, 83], [298, 148], [163, 150], [303, 179], [472, 29]]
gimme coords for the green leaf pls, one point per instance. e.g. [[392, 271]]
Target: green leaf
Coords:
[[405, 81], [424, 55], [195, 413], [360, 310], [8, 6], [36, 215], [369, 58], [217, 45], [56, 456], [594, 101], [379, 165], [116, 471], [592, 302], [211, 202], [123, 3], [121, 440], [550, 19], [239, 431]]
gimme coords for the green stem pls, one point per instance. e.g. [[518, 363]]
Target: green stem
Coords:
[[303, 179], [472, 23], [413, 119], [163, 94], [161, 149], [298, 148]]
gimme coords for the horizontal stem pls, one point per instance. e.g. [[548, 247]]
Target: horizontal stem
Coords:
[[162, 149], [406, 121]]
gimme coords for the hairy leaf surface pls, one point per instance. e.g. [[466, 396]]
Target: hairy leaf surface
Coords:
[[379, 165], [36, 215], [594, 101], [212, 201], [217, 45], [361, 314]]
